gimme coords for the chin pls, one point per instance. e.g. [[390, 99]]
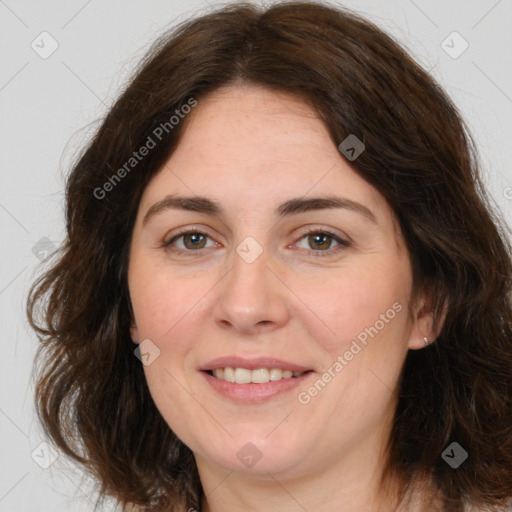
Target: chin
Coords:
[[257, 455]]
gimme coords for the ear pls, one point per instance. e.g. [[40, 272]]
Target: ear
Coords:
[[134, 332], [423, 326]]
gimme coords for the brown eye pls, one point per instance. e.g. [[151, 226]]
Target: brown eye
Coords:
[[189, 243], [320, 241], [194, 240]]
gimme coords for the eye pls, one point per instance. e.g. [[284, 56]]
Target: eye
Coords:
[[188, 242], [321, 242]]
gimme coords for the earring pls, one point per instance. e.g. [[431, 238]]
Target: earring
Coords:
[[425, 339]]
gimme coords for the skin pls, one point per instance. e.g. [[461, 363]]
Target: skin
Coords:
[[251, 149]]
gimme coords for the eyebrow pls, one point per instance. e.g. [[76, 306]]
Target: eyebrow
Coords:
[[293, 206]]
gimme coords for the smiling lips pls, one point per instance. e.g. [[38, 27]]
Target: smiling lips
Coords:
[[262, 370], [257, 376]]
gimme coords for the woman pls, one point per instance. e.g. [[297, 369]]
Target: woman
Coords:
[[283, 286]]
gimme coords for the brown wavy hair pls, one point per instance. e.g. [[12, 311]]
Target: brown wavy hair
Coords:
[[91, 395]]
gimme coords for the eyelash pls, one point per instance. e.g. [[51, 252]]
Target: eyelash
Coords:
[[343, 244]]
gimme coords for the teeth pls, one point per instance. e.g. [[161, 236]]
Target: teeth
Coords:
[[242, 376], [258, 376], [219, 373], [229, 375], [276, 374]]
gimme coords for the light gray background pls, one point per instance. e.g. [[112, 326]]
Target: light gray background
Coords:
[[49, 107]]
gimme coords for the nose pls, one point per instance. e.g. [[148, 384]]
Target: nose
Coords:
[[252, 299]]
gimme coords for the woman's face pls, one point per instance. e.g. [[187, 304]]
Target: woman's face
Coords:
[[271, 278]]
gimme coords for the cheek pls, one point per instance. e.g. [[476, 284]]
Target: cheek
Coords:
[[366, 310], [361, 302], [163, 303], [165, 309]]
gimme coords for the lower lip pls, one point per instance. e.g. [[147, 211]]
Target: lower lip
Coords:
[[253, 393]]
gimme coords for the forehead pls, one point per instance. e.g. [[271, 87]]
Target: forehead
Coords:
[[251, 149], [241, 110]]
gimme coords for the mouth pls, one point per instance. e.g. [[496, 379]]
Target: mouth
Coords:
[[256, 384], [256, 376], [253, 379]]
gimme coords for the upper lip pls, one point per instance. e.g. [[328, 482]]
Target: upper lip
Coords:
[[253, 364]]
